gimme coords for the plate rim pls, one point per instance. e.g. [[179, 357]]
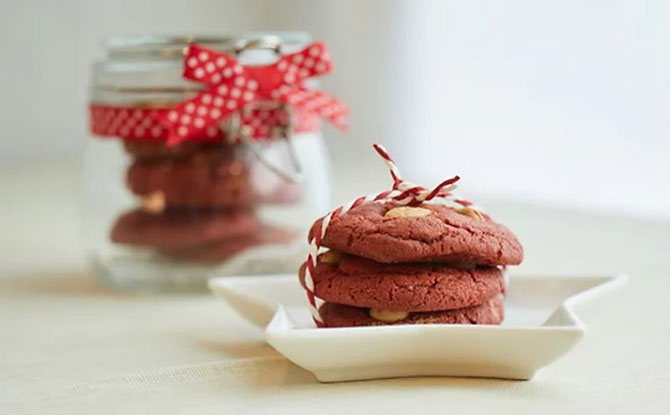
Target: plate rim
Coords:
[[281, 333], [218, 285]]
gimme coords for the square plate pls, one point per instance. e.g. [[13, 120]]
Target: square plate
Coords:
[[540, 326]]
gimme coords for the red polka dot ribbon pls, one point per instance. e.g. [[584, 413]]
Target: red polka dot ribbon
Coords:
[[402, 193], [145, 123], [230, 87]]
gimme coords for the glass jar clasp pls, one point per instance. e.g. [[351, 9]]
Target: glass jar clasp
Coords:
[[235, 131], [270, 42]]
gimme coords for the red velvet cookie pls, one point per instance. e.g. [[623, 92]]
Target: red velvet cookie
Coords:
[[491, 312], [223, 250], [177, 228], [360, 282], [204, 180], [442, 234]]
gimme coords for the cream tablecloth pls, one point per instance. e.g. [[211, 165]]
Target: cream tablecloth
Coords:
[[69, 346]]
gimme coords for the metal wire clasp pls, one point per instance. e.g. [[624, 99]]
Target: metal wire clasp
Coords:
[[270, 42], [236, 132]]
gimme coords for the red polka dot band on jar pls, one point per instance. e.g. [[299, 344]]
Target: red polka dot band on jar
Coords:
[[145, 123], [232, 88]]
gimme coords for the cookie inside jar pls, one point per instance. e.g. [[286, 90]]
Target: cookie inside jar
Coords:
[[197, 203]]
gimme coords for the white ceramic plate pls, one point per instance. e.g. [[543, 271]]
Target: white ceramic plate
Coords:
[[540, 326]]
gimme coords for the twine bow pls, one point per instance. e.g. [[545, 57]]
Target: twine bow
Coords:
[[232, 86]]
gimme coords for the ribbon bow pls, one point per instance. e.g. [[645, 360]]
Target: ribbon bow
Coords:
[[232, 86]]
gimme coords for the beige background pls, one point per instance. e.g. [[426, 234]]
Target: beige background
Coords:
[[561, 103]]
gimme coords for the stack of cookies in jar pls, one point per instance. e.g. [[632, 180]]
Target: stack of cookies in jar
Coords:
[[196, 202]]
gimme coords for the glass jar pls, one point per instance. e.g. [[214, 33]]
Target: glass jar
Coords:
[[159, 217]]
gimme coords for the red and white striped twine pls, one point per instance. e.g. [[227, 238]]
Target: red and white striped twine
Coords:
[[403, 193]]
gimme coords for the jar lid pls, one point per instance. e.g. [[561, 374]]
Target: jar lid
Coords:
[[160, 47], [153, 64]]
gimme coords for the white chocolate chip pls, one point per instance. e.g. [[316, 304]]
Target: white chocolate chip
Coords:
[[387, 316], [407, 212], [474, 214], [154, 202], [330, 257]]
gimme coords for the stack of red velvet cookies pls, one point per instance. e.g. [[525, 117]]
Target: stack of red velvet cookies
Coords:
[[413, 265], [198, 202]]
